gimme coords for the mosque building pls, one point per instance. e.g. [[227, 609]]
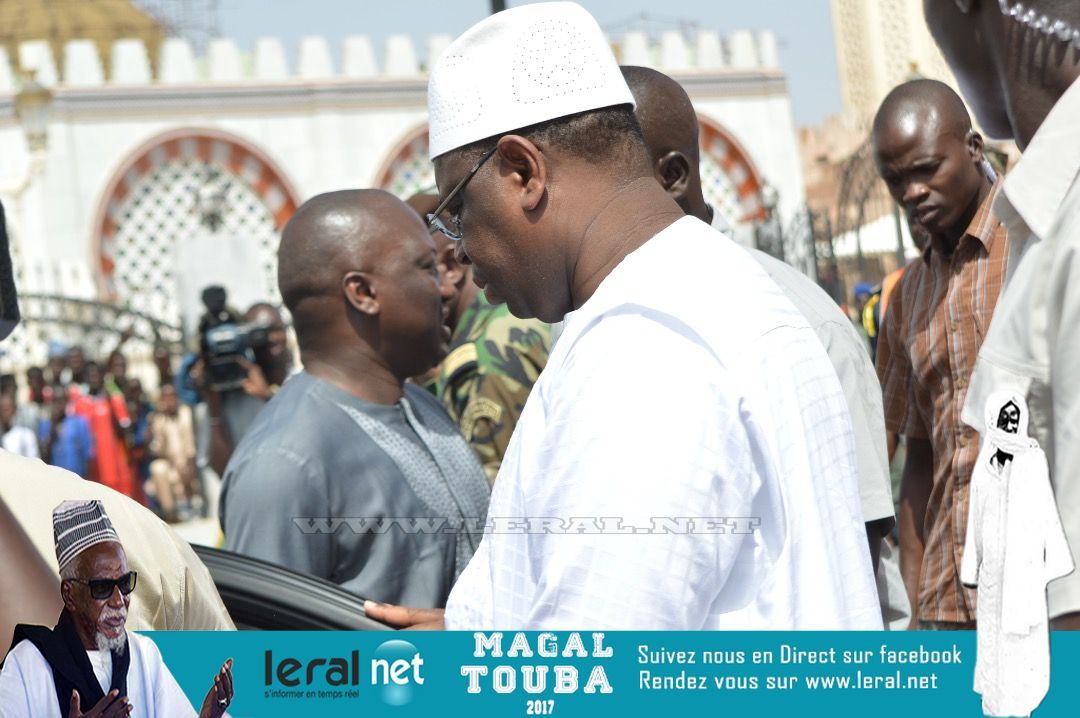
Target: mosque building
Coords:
[[137, 169]]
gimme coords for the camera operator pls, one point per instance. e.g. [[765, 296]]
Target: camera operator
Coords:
[[231, 410]]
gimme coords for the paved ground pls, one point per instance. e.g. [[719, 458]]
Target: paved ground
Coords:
[[205, 531], [200, 531]]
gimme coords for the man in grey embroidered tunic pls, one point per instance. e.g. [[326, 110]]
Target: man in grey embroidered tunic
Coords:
[[348, 442]]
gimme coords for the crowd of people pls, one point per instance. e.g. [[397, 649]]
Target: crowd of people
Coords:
[[94, 420], [566, 329]]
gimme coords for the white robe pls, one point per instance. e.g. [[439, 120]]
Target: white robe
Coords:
[[27, 689], [686, 386], [1015, 545]]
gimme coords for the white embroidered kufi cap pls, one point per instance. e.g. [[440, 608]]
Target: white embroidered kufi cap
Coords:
[[517, 68], [78, 525]]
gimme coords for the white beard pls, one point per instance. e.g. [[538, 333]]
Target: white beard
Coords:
[[117, 644]]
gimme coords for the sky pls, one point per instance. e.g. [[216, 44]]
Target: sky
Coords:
[[803, 29]]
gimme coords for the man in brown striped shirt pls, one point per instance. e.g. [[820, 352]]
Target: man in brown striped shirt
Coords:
[[932, 162]]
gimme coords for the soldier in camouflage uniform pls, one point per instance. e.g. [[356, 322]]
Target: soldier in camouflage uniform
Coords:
[[494, 360]]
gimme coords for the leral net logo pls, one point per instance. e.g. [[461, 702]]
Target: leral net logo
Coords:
[[397, 666]]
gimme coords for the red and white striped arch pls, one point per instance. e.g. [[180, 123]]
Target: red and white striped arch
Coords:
[[238, 156], [719, 144]]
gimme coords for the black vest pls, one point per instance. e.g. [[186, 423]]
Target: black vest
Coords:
[[64, 652]]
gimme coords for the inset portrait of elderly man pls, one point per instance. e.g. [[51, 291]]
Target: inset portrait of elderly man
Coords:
[[89, 664]]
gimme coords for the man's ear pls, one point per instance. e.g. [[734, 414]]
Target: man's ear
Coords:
[[975, 146], [360, 293], [65, 593], [452, 269], [673, 173], [527, 166]]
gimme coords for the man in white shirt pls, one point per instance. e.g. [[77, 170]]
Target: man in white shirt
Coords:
[[670, 126], [89, 659], [651, 406], [1017, 64], [13, 437]]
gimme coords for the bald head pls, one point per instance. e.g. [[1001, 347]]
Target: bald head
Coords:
[[921, 106], [670, 126], [334, 233], [357, 270], [664, 111]]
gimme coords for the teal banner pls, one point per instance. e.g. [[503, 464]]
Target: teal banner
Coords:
[[590, 673]]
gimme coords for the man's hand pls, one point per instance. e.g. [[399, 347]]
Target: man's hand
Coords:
[[111, 706], [255, 384], [220, 694], [197, 373], [413, 619]]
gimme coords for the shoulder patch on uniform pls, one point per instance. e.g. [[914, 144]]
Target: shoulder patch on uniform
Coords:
[[462, 356], [480, 408]]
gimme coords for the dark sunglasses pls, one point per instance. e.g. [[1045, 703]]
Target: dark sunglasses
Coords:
[[102, 588]]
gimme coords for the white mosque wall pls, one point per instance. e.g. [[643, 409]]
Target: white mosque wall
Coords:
[[324, 125]]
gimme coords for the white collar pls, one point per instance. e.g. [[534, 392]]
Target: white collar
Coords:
[[1037, 186]]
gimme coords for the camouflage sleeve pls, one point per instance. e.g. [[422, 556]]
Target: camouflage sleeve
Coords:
[[508, 362]]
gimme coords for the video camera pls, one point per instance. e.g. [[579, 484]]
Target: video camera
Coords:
[[224, 341]]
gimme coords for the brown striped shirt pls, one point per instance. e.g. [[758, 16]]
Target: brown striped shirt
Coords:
[[936, 322]]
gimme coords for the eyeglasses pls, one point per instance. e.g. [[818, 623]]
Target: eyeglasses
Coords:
[[102, 588], [435, 222]]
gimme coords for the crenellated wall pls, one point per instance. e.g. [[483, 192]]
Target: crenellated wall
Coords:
[[81, 66], [322, 119]]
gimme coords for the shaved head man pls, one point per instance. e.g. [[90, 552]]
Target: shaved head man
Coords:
[[1018, 65], [932, 163], [347, 437], [930, 158], [670, 125], [358, 272]]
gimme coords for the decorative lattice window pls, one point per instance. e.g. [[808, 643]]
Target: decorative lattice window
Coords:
[[719, 190], [182, 185], [162, 211]]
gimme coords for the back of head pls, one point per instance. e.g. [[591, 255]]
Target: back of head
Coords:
[[670, 125], [664, 111]]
